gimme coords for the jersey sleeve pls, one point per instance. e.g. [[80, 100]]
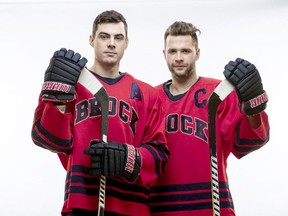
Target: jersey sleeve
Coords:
[[235, 127], [153, 148], [51, 128], [249, 139]]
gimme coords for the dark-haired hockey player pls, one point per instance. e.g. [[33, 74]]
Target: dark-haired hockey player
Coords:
[[68, 121]]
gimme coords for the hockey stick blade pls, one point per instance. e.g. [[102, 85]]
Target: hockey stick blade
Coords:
[[92, 84], [219, 94]]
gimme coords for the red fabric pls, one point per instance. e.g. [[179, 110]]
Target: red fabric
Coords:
[[135, 118], [184, 189]]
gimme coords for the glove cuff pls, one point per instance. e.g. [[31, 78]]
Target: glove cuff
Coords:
[[58, 87], [255, 105], [57, 92], [133, 164]]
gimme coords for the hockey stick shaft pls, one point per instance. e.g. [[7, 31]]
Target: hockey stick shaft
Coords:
[[219, 94], [92, 84]]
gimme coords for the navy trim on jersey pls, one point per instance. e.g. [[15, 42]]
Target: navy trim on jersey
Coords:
[[43, 144], [157, 161], [188, 197], [59, 145], [246, 146], [51, 137], [188, 207], [109, 81], [166, 86], [77, 183], [164, 155], [81, 212], [186, 187], [175, 197]]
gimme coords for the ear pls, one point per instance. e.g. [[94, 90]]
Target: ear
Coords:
[[197, 53], [127, 43], [91, 41], [164, 54]]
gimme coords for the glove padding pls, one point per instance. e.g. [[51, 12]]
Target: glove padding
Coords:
[[248, 84], [62, 75], [114, 160]]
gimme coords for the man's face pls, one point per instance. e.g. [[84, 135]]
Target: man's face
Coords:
[[181, 56], [109, 43]]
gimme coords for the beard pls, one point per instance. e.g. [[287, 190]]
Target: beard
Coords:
[[183, 74]]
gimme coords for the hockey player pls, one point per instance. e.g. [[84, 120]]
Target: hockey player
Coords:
[[185, 187], [68, 121]]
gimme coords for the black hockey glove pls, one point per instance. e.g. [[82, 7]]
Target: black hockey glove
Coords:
[[61, 76], [114, 160], [247, 81]]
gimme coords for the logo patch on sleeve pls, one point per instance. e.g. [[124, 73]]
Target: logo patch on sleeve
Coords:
[[135, 92]]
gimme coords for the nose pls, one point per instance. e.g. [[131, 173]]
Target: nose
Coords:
[[179, 57], [111, 43]]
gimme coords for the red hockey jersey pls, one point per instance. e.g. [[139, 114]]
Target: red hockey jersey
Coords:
[[185, 187], [135, 118]]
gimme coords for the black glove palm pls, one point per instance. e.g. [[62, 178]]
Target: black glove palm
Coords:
[[114, 160], [62, 75], [248, 84]]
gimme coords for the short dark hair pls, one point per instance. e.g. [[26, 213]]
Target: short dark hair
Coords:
[[109, 16], [183, 28]]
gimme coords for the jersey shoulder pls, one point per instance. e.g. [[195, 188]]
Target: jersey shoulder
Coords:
[[144, 87], [160, 87], [208, 81], [144, 92]]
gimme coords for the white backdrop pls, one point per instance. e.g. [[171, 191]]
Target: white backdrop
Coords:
[[32, 179]]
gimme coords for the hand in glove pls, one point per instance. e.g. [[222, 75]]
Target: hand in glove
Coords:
[[61, 76], [248, 84], [114, 160]]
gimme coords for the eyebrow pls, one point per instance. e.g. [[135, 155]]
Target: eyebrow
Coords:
[[181, 49], [119, 34]]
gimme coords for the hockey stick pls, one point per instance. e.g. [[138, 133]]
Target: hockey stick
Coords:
[[218, 95], [92, 84]]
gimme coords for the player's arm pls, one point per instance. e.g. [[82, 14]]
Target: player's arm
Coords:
[[253, 131], [114, 160], [153, 148], [248, 84], [254, 120], [61, 77], [51, 128], [141, 164]]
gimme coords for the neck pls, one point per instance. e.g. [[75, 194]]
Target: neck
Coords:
[[180, 86], [108, 71]]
